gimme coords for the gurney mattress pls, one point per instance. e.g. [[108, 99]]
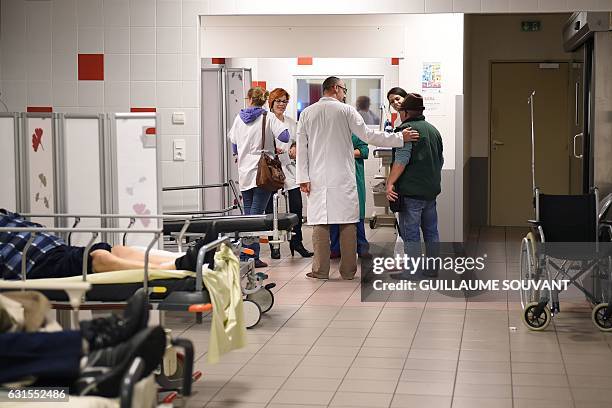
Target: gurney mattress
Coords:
[[239, 223]]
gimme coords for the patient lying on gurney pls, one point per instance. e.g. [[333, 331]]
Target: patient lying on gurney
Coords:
[[50, 257]]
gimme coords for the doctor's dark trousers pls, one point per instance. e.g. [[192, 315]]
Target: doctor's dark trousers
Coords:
[[52, 356]]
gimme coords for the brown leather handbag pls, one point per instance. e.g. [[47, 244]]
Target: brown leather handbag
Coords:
[[270, 174]]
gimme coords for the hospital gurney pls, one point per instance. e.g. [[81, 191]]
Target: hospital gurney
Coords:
[[258, 297], [181, 376], [135, 390]]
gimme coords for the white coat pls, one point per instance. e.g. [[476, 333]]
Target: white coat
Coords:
[[287, 162], [325, 158], [247, 137]]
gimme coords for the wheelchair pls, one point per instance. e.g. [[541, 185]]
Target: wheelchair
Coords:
[[566, 242]]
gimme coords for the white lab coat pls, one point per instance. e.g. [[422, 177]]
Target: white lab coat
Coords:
[[287, 162], [247, 137], [325, 158]]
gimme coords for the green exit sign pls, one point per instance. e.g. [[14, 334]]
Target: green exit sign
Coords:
[[530, 26]]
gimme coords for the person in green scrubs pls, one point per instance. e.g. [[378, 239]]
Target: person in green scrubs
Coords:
[[361, 151]]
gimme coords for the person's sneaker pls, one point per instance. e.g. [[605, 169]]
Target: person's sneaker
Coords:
[[260, 264], [105, 368], [109, 331]]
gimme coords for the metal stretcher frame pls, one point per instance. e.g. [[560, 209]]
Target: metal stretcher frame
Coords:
[[76, 292]]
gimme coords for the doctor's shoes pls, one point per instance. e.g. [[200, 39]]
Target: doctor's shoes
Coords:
[[110, 331], [105, 368], [189, 261]]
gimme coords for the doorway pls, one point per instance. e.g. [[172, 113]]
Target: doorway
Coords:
[[511, 202]]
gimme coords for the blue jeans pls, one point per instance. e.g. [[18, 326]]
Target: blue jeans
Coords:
[[254, 201], [417, 215], [362, 243]]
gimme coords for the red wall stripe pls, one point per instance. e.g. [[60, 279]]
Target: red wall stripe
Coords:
[[261, 84], [39, 109], [135, 110], [304, 61], [91, 67], [218, 60], [395, 61]]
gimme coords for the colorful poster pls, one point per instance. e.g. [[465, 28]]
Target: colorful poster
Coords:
[[431, 79]]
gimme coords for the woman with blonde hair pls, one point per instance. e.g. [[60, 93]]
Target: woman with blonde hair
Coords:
[[277, 101], [247, 140]]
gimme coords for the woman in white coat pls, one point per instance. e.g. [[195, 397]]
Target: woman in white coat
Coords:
[[277, 101], [246, 138]]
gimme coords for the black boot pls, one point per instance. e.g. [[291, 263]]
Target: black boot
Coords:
[[275, 252], [109, 331], [188, 262], [299, 247], [105, 368]]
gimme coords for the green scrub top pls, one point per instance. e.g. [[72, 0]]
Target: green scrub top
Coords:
[[360, 173]]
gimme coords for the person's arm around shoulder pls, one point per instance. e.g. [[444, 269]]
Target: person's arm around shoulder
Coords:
[[377, 137]]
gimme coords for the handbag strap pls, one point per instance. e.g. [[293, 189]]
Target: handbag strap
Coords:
[[263, 135], [263, 131]]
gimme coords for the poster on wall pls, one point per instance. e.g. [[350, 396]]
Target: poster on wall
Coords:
[[40, 167], [431, 86]]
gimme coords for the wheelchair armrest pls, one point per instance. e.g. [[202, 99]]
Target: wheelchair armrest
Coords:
[[534, 222]]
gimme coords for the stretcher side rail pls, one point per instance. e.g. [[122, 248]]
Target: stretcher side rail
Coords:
[[77, 220], [231, 184]]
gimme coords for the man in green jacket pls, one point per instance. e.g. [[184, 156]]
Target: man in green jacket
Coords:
[[361, 152], [415, 179]]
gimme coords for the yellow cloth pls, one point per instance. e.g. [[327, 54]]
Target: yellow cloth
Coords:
[[127, 276], [227, 330]]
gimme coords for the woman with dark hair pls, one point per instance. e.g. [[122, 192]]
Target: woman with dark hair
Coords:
[[246, 138], [395, 96], [277, 101]]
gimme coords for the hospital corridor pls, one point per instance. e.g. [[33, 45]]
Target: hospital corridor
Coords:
[[321, 204]]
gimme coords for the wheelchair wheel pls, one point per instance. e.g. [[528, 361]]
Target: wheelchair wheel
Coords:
[[533, 319], [598, 315], [264, 298], [528, 270], [252, 313]]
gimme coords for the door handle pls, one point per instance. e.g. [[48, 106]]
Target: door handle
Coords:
[[578, 156], [498, 143]]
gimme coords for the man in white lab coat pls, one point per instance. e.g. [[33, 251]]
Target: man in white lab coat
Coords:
[[326, 172]]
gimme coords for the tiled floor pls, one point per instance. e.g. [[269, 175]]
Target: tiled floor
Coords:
[[320, 346]]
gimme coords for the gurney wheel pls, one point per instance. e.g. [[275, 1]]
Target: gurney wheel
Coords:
[[533, 321], [264, 298], [599, 317], [252, 313]]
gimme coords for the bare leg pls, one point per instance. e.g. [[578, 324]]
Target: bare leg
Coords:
[[131, 254], [104, 261]]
